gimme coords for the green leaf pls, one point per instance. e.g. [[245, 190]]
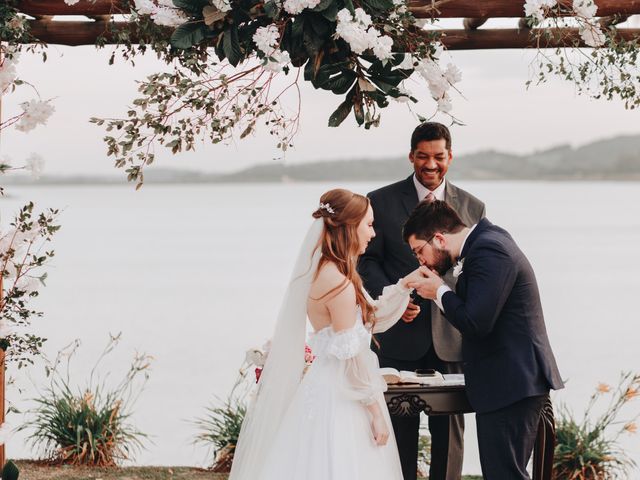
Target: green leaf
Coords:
[[381, 5], [187, 35], [341, 113], [194, 6], [323, 5], [212, 15], [348, 4], [10, 471], [231, 46], [331, 13], [272, 9]]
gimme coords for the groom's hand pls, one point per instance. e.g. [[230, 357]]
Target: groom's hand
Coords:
[[428, 286]]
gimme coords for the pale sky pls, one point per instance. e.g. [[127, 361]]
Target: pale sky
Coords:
[[499, 112]]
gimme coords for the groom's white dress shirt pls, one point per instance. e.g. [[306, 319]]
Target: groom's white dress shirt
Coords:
[[424, 191], [444, 288]]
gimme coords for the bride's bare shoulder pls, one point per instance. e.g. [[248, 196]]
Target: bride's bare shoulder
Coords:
[[330, 283]]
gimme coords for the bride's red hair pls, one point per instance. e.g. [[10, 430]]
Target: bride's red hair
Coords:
[[342, 212]]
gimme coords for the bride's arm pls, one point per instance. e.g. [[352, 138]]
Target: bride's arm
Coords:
[[391, 305], [360, 370]]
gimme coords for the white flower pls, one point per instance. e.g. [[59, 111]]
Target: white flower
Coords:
[[453, 74], [362, 17], [35, 112], [144, 7], [294, 7], [358, 33], [168, 17], [382, 48], [585, 8], [445, 105], [5, 433], [592, 35], [255, 357], [344, 16], [6, 328], [34, 165], [71, 2], [8, 73], [457, 268], [537, 8], [222, 5], [278, 59], [266, 38]]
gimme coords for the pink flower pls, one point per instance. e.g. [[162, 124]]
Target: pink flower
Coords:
[[258, 373], [309, 357]]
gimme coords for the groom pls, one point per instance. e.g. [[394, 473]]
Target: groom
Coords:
[[508, 363], [423, 338]]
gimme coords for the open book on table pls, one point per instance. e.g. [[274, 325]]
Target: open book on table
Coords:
[[424, 377]]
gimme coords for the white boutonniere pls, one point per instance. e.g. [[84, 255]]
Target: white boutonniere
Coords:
[[457, 268]]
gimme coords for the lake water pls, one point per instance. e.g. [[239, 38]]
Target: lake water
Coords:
[[193, 275]]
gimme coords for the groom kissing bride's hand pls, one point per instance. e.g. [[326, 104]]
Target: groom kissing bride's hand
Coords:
[[428, 284]]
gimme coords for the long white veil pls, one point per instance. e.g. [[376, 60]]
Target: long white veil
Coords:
[[284, 366]]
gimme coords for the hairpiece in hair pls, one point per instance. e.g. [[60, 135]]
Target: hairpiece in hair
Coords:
[[327, 207]]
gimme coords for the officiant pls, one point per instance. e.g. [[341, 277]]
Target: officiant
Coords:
[[423, 338]]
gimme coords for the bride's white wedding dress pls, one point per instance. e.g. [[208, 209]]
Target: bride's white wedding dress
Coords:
[[316, 426], [326, 433]]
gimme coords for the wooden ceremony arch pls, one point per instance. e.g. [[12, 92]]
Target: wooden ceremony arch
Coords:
[[47, 25]]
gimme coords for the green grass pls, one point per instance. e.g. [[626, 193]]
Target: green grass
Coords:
[[30, 470]]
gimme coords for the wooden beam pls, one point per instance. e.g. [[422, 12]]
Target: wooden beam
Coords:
[[516, 38], [420, 8], [86, 33]]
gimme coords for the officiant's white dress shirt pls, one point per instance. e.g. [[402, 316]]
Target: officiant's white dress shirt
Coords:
[[424, 191]]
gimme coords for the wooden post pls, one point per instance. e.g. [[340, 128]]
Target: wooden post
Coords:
[[2, 355]]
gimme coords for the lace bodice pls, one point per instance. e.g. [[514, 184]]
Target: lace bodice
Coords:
[[342, 345]]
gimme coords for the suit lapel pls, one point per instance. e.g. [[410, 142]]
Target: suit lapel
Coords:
[[451, 196], [409, 195]]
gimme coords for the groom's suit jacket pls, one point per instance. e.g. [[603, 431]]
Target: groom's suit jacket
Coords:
[[388, 258], [496, 307]]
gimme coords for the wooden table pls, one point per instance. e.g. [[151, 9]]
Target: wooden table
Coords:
[[410, 400]]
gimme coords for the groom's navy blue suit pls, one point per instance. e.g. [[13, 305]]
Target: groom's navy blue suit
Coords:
[[507, 359]]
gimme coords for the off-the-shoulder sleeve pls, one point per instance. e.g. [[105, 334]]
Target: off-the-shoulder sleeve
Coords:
[[390, 306], [359, 377]]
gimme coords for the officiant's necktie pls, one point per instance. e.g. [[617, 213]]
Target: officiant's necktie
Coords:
[[430, 197]]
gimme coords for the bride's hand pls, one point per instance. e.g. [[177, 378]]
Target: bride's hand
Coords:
[[380, 430], [416, 275]]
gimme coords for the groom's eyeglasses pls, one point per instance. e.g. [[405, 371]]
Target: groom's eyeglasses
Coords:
[[418, 250]]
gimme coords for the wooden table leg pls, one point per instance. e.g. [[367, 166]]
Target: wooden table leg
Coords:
[[545, 443]]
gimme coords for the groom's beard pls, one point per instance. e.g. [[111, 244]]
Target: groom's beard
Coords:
[[442, 263]]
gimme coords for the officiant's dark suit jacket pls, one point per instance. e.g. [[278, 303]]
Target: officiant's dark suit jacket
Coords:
[[496, 307], [388, 258]]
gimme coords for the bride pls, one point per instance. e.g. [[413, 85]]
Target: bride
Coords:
[[331, 423]]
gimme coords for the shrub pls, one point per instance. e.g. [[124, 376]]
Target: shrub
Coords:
[[88, 426], [589, 449]]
